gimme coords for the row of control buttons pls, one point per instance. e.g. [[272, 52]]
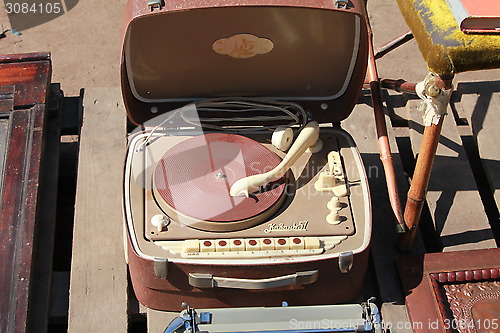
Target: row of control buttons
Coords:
[[250, 244], [251, 247]]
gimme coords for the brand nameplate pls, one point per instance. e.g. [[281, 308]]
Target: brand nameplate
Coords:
[[242, 46], [277, 227]]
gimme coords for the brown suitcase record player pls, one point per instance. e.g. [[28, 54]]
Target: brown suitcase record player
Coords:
[[234, 194]]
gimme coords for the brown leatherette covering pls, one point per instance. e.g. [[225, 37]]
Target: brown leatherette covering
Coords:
[[338, 108], [168, 294]]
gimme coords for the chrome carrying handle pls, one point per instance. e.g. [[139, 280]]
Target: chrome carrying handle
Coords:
[[201, 280]]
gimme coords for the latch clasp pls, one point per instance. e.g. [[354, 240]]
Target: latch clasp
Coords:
[[341, 4], [152, 4]]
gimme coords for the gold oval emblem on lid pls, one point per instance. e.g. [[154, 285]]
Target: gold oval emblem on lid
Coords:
[[243, 46]]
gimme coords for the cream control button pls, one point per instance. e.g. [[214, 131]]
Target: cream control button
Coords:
[[237, 245], [311, 242], [252, 244], [282, 244], [334, 204], [335, 165], [221, 245], [267, 244], [325, 182], [207, 246], [191, 246], [296, 243], [333, 217]]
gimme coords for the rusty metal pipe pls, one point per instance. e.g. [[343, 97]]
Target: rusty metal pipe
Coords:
[[420, 181], [393, 44], [398, 85], [383, 139]]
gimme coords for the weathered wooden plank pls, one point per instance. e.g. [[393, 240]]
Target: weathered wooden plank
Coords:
[[98, 283], [480, 102], [396, 319], [158, 320], [452, 196]]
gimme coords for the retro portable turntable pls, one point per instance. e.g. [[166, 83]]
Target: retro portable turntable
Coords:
[[234, 193]]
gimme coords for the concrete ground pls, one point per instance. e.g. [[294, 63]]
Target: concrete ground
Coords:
[[85, 44]]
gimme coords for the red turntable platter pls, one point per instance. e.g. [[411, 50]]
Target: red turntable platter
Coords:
[[192, 180]]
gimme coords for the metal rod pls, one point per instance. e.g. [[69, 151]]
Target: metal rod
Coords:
[[398, 85], [383, 139], [395, 43], [421, 175]]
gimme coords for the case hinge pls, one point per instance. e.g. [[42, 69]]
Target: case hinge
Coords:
[[152, 4], [345, 261], [160, 266], [341, 4]]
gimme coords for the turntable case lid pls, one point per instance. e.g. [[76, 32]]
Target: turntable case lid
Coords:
[[307, 51]]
